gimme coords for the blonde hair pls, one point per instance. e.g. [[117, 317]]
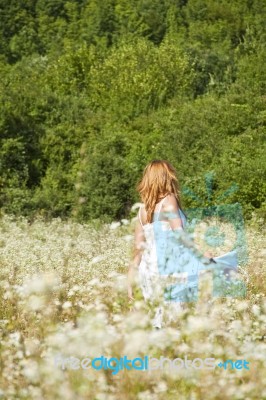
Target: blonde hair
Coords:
[[159, 179]]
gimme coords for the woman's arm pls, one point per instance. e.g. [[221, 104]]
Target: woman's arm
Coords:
[[138, 245]]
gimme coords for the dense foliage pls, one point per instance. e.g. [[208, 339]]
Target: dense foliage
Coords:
[[92, 90]]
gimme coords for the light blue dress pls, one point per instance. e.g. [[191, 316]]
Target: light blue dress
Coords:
[[170, 252]]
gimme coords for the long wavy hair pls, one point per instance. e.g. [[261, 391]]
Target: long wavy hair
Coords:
[[159, 179]]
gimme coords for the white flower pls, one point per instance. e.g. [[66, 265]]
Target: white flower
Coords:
[[31, 371], [128, 238], [241, 305], [67, 304], [19, 354], [115, 225], [94, 282], [161, 387], [256, 309], [96, 259], [8, 295], [136, 341], [15, 337], [35, 303], [40, 283], [147, 395], [199, 323]]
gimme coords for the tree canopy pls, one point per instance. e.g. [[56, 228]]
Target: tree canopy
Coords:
[[92, 90]]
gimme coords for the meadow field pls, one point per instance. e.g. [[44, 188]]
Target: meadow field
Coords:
[[63, 294]]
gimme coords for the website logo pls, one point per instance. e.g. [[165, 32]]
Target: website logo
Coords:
[[145, 363], [176, 254]]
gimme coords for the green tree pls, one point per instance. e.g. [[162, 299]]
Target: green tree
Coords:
[[139, 77]]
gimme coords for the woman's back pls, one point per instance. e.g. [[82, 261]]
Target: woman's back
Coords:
[[157, 233], [166, 207]]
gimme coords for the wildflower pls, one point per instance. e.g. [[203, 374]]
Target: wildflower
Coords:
[[115, 225], [66, 305]]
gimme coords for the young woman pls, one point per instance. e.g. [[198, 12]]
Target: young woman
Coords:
[[160, 216], [163, 249]]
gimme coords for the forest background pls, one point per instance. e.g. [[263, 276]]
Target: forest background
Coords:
[[92, 90]]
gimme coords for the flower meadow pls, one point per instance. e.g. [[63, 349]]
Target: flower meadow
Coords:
[[63, 292]]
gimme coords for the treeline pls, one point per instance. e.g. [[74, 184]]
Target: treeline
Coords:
[[92, 90]]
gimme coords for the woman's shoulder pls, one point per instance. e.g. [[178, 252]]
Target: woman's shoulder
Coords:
[[170, 205], [170, 199]]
